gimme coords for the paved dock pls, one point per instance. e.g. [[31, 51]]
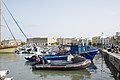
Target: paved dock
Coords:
[[114, 58]]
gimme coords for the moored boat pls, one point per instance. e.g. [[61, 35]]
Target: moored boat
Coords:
[[7, 49], [85, 51], [62, 66], [10, 78], [3, 73], [48, 57]]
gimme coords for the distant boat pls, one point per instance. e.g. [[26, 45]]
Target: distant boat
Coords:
[[7, 49]]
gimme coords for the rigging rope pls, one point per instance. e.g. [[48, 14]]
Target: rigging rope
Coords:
[[15, 20], [9, 28]]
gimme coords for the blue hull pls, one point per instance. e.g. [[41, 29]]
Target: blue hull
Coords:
[[49, 57], [56, 57], [89, 55], [85, 51]]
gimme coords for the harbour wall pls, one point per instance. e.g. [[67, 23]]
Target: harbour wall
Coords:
[[113, 59]]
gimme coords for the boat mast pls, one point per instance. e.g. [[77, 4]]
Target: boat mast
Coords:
[[0, 19]]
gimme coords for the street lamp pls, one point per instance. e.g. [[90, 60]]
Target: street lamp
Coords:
[[102, 41]]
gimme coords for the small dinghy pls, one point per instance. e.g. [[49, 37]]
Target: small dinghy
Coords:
[[63, 65], [11, 78], [3, 73]]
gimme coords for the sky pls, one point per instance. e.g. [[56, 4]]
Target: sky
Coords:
[[62, 18]]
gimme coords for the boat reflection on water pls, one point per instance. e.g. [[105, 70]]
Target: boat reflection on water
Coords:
[[29, 63], [8, 57], [62, 75]]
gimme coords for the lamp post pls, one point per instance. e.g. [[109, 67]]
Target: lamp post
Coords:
[[102, 41]]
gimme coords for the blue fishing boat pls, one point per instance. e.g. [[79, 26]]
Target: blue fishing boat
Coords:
[[56, 57], [48, 57], [85, 51]]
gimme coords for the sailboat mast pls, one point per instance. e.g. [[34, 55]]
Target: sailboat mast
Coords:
[[0, 19]]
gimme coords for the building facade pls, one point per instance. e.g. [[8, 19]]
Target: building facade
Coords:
[[41, 41], [118, 38], [96, 40], [11, 42], [64, 41]]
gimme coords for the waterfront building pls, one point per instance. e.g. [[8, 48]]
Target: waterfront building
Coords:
[[65, 41], [107, 40], [11, 42], [115, 39], [41, 41], [96, 40], [118, 38], [101, 40], [117, 33], [73, 41], [87, 41], [51, 41]]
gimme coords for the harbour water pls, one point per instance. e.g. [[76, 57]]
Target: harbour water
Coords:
[[20, 69]]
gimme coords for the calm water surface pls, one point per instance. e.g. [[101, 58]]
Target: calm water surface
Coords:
[[20, 69]]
